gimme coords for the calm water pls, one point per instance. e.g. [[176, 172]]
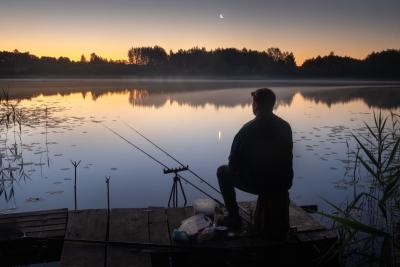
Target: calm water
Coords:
[[194, 121]]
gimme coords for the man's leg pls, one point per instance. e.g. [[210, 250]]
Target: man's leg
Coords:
[[225, 177], [228, 181]]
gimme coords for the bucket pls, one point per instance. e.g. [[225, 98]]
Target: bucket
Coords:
[[205, 206]]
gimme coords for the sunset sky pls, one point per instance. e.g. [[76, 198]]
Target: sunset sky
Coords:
[[307, 28]]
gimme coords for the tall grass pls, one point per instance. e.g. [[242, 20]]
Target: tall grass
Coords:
[[367, 226]]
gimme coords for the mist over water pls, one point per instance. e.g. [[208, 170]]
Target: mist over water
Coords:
[[194, 121]]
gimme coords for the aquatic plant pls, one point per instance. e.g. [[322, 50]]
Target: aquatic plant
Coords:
[[10, 112], [367, 226], [12, 118]]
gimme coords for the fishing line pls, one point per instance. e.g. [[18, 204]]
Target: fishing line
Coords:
[[165, 166], [201, 179]]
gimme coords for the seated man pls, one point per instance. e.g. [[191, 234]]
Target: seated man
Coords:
[[260, 161]]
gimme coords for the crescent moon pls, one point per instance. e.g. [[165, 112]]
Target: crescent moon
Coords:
[[221, 16]]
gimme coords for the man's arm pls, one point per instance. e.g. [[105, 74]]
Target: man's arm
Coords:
[[235, 157]]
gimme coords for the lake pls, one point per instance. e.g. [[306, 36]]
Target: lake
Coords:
[[95, 123]]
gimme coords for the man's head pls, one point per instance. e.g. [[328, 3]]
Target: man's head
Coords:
[[263, 100]]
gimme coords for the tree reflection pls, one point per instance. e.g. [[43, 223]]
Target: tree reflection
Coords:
[[198, 93], [383, 97]]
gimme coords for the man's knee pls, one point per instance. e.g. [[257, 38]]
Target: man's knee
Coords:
[[222, 170]]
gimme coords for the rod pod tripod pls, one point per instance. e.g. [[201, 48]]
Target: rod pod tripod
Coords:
[[174, 190]]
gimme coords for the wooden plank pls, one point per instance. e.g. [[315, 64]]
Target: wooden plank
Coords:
[[303, 221], [76, 254], [34, 213], [175, 217], [43, 228], [302, 237], [291, 239], [42, 217], [120, 256], [238, 242], [35, 223], [328, 235], [128, 225], [188, 212], [158, 227], [47, 223], [85, 225], [50, 233], [315, 235]]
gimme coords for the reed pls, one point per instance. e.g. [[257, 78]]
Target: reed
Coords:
[[367, 226], [10, 115]]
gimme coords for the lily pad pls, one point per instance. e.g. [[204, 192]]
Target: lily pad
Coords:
[[10, 209], [54, 192], [25, 164], [341, 187], [34, 199], [11, 169]]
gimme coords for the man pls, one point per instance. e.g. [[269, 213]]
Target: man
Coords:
[[260, 161]]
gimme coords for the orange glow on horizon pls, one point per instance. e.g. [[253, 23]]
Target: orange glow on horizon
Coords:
[[117, 53]]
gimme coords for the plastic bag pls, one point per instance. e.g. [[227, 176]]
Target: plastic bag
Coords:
[[181, 236], [201, 220], [207, 233], [189, 227]]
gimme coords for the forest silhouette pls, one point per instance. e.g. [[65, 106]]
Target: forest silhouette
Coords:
[[199, 62]]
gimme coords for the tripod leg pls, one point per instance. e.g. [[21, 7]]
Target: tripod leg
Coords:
[[172, 193], [183, 192], [176, 192]]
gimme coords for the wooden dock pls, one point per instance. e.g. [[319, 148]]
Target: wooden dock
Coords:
[[143, 237]]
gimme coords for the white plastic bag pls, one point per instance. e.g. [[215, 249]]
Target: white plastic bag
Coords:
[[201, 221], [189, 226]]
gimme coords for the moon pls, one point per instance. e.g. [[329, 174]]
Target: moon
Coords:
[[221, 16]]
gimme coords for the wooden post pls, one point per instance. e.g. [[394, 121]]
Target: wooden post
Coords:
[[75, 165]]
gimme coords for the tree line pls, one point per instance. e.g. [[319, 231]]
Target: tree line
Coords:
[[220, 62]]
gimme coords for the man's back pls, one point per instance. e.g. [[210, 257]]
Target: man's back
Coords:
[[260, 162], [262, 152]]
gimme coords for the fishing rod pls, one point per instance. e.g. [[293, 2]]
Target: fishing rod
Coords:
[[165, 166], [201, 179]]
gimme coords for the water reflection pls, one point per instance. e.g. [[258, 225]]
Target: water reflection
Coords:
[[185, 120], [382, 97], [136, 97], [160, 92]]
